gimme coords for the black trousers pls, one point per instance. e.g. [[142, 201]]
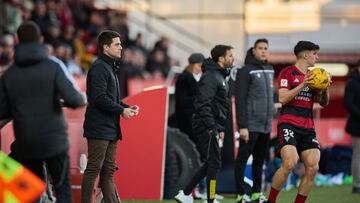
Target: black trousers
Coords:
[[58, 168], [210, 152], [257, 146]]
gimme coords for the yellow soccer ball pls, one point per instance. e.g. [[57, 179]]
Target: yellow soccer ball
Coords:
[[320, 78]]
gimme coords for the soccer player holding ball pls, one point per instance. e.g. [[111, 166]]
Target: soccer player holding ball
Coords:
[[298, 89]]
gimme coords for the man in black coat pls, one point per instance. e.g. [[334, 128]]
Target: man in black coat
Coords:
[[101, 125], [212, 108], [30, 93], [352, 104]]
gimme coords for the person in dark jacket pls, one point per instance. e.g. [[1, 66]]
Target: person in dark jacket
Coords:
[[352, 104], [101, 125], [185, 90], [30, 94], [254, 111], [212, 108]]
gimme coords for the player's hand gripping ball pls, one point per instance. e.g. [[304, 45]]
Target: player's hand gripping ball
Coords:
[[320, 79]]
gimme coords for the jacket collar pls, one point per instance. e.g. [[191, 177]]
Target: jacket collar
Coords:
[[250, 59], [112, 62], [210, 64]]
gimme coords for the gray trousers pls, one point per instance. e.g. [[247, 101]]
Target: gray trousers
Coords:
[[355, 164], [101, 161]]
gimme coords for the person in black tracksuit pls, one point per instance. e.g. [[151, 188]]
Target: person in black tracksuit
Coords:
[[30, 93], [254, 111], [212, 107], [352, 104]]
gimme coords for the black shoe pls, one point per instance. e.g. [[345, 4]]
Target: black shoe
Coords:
[[356, 190]]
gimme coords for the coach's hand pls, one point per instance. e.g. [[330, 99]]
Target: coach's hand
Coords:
[[128, 113], [244, 134]]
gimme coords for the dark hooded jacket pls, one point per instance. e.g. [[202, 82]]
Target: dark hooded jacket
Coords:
[[352, 104], [185, 91], [212, 101], [104, 104], [254, 95], [30, 94]]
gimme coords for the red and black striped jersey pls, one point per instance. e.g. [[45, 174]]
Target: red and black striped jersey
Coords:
[[298, 111]]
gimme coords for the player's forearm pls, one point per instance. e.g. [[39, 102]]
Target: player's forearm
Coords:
[[286, 96], [324, 98]]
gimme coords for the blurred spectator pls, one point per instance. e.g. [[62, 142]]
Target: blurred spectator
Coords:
[[76, 23], [163, 44], [73, 62], [139, 62], [138, 44], [155, 64], [50, 49], [60, 52], [64, 14], [39, 16], [68, 36], [52, 35], [352, 104], [81, 10], [96, 23], [52, 12], [7, 53], [118, 23], [11, 16], [85, 57], [65, 53], [133, 63]]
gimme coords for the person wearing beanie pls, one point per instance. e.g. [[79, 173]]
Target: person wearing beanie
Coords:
[[185, 90]]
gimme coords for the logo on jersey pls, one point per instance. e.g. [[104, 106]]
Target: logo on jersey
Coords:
[[296, 80], [288, 134], [283, 83], [306, 89]]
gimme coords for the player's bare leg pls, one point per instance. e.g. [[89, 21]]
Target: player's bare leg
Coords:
[[289, 157], [310, 158]]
